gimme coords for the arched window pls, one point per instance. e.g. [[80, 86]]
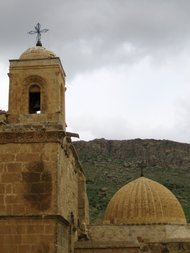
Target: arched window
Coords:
[[34, 99]]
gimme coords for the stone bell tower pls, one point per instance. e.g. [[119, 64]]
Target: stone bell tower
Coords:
[[43, 206], [37, 88]]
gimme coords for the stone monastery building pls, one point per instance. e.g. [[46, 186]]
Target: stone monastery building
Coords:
[[43, 200]]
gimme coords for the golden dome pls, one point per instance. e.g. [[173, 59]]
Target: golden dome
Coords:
[[37, 52], [144, 201]]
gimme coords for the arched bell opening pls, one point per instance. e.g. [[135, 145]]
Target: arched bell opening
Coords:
[[34, 99]]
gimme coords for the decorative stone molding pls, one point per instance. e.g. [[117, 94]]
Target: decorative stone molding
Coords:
[[31, 137]]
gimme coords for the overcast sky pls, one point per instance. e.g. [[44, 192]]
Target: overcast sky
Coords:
[[127, 62]]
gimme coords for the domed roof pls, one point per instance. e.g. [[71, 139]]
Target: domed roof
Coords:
[[37, 52], [144, 201]]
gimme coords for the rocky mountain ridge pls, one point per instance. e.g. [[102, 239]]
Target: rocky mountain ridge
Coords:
[[110, 164]]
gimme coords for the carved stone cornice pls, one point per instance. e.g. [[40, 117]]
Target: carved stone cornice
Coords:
[[57, 217], [32, 137]]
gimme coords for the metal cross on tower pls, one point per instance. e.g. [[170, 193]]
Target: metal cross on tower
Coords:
[[39, 32], [142, 166]]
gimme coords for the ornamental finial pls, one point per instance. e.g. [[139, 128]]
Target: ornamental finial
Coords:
[[39, 32]]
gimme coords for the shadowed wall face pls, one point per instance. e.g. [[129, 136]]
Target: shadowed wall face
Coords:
[[28, 176]]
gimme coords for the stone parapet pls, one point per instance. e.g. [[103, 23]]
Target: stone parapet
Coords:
[[128, 233], [30, 119]]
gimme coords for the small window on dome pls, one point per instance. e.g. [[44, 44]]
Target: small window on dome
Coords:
[[34, 99]]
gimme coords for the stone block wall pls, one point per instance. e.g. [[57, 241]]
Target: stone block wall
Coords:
[[67, 184], [83, 207], [35, 119], [38, 178], [136, 238], [28, 178], [27, 235], [38, 166], [50, 76], [131, 233], [64, 241], [168, 247], [107, 248]]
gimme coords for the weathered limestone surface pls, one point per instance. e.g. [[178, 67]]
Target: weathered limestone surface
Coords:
[[27, 178], [83, 207], [49, 75], [33, 234], [139, 238], [40, 175], [27, 235], [144, 201], [110, 249], [130, 233]]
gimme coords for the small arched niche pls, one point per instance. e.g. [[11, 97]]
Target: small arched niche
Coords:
[[34, 99]]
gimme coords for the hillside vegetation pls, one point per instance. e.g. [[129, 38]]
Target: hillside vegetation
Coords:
[[110, 164]]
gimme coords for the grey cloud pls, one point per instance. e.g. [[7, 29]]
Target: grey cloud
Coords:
[[102, 26], [91, 35]]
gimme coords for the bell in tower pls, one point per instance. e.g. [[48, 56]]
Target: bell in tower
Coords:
[[34, 99]]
